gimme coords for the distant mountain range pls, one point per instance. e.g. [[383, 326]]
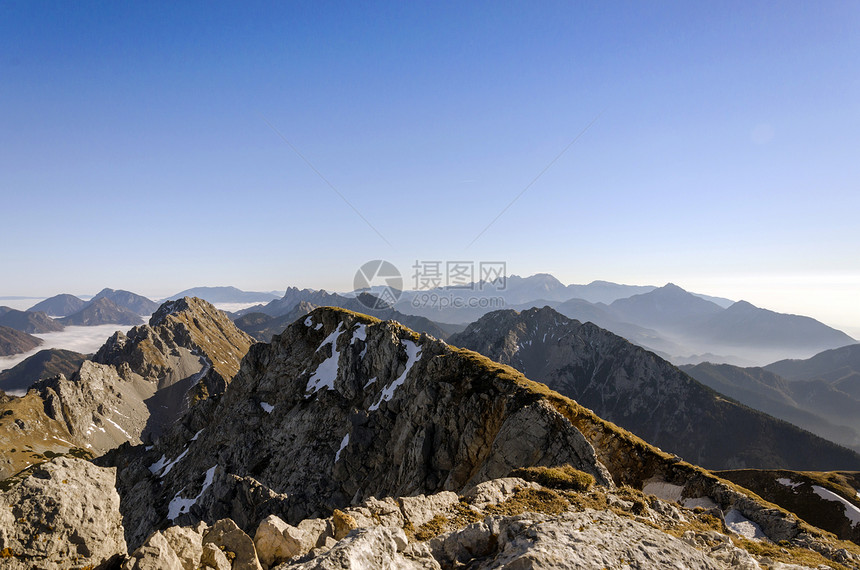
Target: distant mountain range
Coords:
[[297, 302], [31, 323], [763, 390], [839, 367], [819, 394], [226, 295], [61, 305], [133, 302], [43, 364], [102, 311], [441, 304], [643, 393], [109, 306], [676, 312], [683, 327], [15, 342]]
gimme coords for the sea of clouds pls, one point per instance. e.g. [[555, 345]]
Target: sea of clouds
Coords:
[[80, 339]]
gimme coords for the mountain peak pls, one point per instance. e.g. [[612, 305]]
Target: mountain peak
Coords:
[[173, 307]]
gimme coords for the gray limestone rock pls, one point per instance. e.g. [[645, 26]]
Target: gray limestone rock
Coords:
[[65, 512]]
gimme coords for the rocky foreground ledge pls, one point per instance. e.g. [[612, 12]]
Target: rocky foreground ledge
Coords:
[[65, 514]]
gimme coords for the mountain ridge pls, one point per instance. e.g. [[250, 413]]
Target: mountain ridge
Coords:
[[13, 341], [636, 389]]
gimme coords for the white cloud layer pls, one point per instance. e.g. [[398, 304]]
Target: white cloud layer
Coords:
[[79, 339]]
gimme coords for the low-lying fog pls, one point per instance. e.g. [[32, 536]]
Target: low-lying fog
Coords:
[[79, 339]]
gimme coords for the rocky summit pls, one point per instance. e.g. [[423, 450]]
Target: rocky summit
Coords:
[[349, 442], [130, 390]]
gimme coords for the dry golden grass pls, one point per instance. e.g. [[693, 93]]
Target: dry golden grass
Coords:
[[564, 477]]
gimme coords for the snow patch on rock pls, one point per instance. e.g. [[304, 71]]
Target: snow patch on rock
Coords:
[[179, 506], [343, 445], [741, 525], [326, 372], [788, 483], [413, 353], [663, 490], [704, 502], [852, 513]]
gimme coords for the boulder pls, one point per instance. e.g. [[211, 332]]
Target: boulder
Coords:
[[65, 512], [213, 557], [226, 534], [154, 554], [377, 548], [277, 541]]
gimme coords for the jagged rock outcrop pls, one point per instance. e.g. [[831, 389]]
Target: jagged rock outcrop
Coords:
[[181, 336], [639, 391], [341, 407], [28, 435], [134, 387], [141, 382], [63, 514], [98, 407]]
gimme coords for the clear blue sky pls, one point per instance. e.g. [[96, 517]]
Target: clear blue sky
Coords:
[[135, 153]]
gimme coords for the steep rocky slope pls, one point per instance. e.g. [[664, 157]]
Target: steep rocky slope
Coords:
[[130, 390], [15, 342], [181, 335], [28, 435], [319, 417], [137, 384], [640, 391]]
